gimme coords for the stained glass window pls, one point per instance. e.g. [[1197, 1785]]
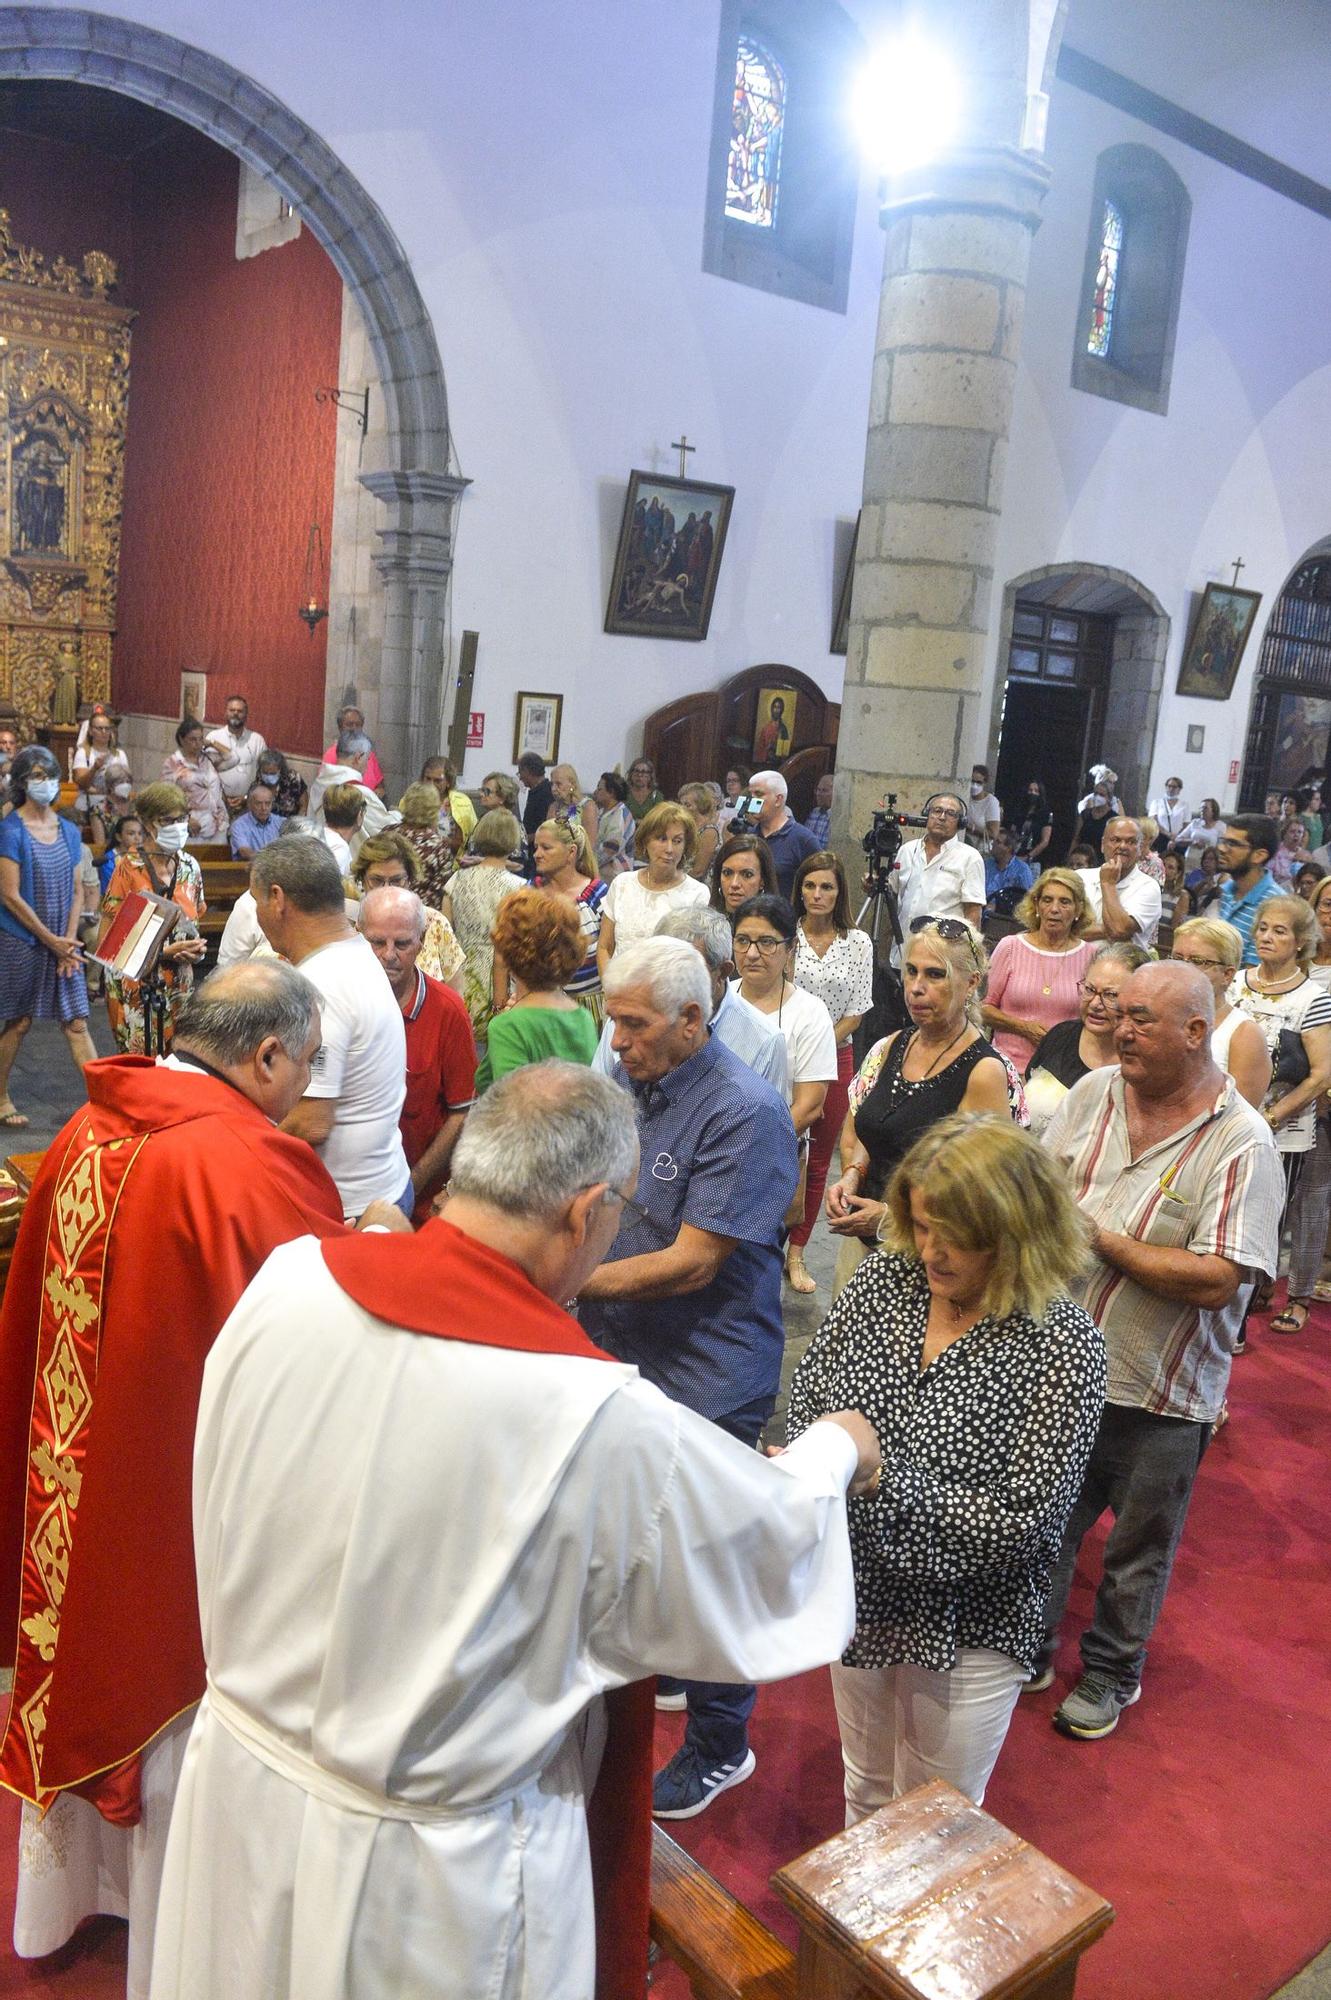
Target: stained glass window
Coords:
[[759, 113], [1105, 295]]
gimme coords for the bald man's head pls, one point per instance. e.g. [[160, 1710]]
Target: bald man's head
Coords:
[[1122, 841], [257, 1024], [1166, 1014]]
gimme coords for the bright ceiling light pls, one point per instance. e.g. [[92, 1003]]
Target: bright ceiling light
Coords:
[[907, 104]]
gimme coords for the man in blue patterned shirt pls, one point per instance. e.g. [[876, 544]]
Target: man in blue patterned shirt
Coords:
[[690, 1292], [1245, 850], [819, 822]]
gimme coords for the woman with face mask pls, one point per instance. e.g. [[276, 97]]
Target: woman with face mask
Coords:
[[41, 973], [158, 867]]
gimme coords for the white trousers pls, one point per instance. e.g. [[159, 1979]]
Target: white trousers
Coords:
[[903, 1725], [74, 1864]]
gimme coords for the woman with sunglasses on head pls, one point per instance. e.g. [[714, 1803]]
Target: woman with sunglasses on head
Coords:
[[833, 962], [908, 1081], [1072, 1049], [1238, 1045]]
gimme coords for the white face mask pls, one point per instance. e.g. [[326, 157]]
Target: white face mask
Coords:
[[122, 791], [173, 836], [43, 791], [977, 790]]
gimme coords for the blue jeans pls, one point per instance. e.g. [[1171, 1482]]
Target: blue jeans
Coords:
[[1142, 1468], [719, 1711]]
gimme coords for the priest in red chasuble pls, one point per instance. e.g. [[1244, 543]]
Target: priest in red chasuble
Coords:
[[153, 1209], [434, 1526]]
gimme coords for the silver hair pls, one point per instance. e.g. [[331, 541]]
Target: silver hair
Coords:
[[1129, 956], [298, 824], [234, 1010], [353, 743], [305, 870], [773, 781], [706, 928], [409, 896], [543, 1133], [672, 972]]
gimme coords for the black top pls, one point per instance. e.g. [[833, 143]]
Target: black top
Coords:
[[1056, 1051], [537, 809], [983, 1455], [1091, 828], [1037, 818], [896, 1112]]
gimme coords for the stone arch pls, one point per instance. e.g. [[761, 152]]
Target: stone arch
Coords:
[[413, 482], [1125, 727]]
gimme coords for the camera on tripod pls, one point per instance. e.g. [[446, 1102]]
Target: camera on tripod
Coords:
[[883, 839]]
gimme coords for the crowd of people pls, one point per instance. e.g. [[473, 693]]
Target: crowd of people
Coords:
[[480, 1094]]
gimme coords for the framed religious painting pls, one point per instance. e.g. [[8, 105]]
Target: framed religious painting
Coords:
[[1216, 642], [669, 557], [841, 622], [193, 697], [774, 725], [536, 723]]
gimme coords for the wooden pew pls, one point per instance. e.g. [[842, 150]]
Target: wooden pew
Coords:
[[223, 881], [928, 1899]]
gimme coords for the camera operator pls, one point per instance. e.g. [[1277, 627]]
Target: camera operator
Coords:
[[788, 842], [939, 875]]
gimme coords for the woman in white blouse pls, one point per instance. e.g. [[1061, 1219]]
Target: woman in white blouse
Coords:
[[764, 948], [834, 962], [665, 839]]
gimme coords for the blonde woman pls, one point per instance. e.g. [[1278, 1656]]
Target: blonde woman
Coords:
[[665, 842], [985, 1385], [1294, 1014], [471, 904], [1237, 1043], [570, 802], [420, 828], [1035, 975], [908, 1081], [566, 867], [700, 801]]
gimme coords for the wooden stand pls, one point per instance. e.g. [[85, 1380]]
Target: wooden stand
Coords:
[[932, 1899]]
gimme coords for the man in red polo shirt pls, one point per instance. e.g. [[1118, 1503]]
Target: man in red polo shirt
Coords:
[[441, 1050]]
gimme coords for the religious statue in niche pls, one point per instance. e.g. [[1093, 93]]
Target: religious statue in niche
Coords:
[[40, 481], [64, 388]]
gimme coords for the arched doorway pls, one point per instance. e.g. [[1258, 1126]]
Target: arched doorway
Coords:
[[412, 482], [1289, 722], [1083, 652]]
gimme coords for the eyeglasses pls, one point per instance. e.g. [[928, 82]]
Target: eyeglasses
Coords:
[[942, 812], [1211, 964], [1105, 995], [766, 945]]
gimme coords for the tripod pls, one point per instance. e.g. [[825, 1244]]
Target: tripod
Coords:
[[889, 1005], [880, 897]]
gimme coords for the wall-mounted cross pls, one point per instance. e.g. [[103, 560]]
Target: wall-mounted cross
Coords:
[[683, 447]]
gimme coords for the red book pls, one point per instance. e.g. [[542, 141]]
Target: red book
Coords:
[[133, 945]]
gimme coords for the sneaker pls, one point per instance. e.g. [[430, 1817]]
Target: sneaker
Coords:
[[1094, 1706], [1040, 1679], [687, 1787]]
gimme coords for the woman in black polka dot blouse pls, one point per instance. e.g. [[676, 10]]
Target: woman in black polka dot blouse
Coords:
[[985, 1384]]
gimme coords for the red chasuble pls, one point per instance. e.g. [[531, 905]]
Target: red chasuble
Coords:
[[442, 1283], [154, 1208]]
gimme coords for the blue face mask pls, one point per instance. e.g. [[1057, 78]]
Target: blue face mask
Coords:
[[43, 791]]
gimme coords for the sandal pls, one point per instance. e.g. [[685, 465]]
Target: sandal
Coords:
[[798, 1277], [1322, 1291], [1292, 1317], [12, 1120]]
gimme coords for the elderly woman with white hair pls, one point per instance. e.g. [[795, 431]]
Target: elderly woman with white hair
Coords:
[[349, 764]]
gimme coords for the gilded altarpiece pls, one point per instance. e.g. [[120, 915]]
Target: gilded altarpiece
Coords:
[[64, 385]]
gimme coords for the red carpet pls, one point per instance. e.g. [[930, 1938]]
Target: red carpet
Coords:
[[1205, 1819]]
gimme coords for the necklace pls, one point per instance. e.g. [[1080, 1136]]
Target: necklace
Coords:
[[1265, 985], [942, 1052]]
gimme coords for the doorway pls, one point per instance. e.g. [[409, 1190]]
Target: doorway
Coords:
[[1058, 670]]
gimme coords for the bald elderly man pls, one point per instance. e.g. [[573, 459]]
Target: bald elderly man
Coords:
[[1182, 1185]]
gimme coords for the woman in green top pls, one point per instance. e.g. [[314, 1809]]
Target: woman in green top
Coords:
[[538, 947]]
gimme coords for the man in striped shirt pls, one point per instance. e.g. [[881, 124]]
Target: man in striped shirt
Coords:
[[1181, 1182]]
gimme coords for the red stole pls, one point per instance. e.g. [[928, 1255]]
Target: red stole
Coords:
[[442, 1283]]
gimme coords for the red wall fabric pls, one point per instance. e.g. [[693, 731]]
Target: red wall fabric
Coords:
[[228, 456]]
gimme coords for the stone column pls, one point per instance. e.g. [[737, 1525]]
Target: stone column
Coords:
[[949, 327], [405, 711]]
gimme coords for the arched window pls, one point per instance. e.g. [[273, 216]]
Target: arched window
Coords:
[[1132, 279], [753, 167], [1105, 294], [783, 172]]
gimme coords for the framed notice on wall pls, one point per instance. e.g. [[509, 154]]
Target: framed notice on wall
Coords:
[[536, 726]]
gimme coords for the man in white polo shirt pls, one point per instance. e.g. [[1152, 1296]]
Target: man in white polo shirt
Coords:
[[939, 876], [1125, 903], [349, 1113]]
